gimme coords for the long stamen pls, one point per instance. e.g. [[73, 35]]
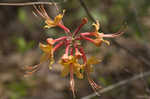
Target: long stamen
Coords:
[[94, 86], [84, 21], [113, 35], [31, 70], [72, 85], [40, 12]]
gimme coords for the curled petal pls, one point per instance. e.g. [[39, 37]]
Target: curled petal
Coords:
[[51, 63], [78, 73], [96, 25], [105, 41], [50, 41], [44, 57], [45, 48], [59, 17], [65, 71], [97, 42], [49, 24], [52, 23], [93, 60]]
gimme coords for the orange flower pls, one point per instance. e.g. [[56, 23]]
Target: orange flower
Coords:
[[99, 36], [71, 60], [49, 22], [73, 48], [47, 55], [52, 23]]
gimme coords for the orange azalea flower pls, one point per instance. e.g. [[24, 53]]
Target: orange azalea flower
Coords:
[[72, 60], [57, 20], [71, 66], [90, 62], [49, 22], [99, 36], [47, 55], [73, 48]]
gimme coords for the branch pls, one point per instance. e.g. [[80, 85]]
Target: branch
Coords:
[[124, 82], [87, 10], [138, 57], [119, 84], [27, 4]]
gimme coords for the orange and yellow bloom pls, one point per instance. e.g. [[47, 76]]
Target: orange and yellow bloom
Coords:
[[74, 50]]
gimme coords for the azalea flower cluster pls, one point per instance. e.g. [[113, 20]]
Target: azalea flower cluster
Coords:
[[74, 51]]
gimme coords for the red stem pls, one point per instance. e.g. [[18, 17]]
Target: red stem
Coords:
[[71, 51], [67, 49], [58, 46], [83, 55], [86, 34], [61, 38], [64, 28], [84, 21], [51, 41], [88, 39]]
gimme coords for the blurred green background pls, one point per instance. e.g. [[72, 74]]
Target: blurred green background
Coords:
[[21, 31]]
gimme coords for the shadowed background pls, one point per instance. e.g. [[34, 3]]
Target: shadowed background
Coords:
[[128, 55]]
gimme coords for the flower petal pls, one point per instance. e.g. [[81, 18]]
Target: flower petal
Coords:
[[45, 48], [58, 18], [44, 57], [93, 60], [105, 41], [51, 62], [96, 25], [65, 71]]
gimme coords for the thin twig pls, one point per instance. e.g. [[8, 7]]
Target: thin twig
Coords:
[[87, 10], [138, 57], [119, 84], [124, 82], [27, 4]]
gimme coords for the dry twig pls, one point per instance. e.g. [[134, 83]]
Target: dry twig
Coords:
[[119, 84], [138, 57], [27, 4]]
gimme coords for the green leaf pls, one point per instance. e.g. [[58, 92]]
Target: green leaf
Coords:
[[22, 15]]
